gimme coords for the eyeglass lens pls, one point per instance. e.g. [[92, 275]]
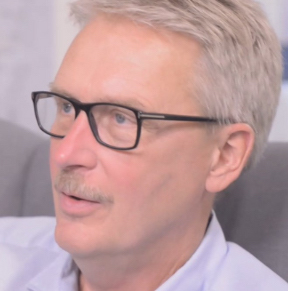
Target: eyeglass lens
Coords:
[[114, 125]]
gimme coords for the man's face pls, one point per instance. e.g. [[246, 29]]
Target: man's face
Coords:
[[155, 192]]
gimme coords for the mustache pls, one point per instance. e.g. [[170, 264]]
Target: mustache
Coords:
[[73, 184]]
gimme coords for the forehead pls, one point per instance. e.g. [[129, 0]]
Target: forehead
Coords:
[[114, 58]]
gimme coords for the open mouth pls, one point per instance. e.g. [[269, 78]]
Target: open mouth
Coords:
[[72, 197], [75, 205], [75, 198], [79, 199]]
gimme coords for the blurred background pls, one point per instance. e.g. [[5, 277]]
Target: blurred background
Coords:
[[34, 35]]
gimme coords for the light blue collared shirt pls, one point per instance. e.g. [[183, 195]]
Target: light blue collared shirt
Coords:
[[30, 260]]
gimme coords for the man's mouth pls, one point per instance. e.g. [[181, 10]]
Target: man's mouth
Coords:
[[77, 198], [77, 205]]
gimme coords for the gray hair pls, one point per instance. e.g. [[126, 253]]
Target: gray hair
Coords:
[[241, 68]]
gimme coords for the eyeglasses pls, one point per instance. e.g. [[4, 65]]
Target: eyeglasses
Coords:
[[114, 126]]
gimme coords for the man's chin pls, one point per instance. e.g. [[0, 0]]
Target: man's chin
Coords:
[[70, 237], [82, 241]]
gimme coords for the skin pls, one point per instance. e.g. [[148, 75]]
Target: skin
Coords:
[[160, 194]]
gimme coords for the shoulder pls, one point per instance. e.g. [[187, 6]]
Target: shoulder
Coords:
[[241, 271], [27, 247], [28, 232]]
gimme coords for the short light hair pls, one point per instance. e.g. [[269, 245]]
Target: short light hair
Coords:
[[240, 72]]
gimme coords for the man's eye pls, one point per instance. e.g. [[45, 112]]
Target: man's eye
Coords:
[[64, 107], [120, 118], [67, 107]]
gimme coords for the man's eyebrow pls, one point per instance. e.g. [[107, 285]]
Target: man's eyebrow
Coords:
[[60, 91], [127, 101]]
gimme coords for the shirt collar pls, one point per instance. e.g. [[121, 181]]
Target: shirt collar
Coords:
[[61, 274], [198, 271]]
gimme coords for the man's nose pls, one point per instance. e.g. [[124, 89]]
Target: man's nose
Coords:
[[78, 149]]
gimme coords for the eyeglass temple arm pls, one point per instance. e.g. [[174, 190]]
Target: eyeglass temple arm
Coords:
[[157, 116]]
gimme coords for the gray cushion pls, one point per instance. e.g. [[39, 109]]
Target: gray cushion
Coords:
[[17, 162], [37, 194], [24, 173], [253, 211]]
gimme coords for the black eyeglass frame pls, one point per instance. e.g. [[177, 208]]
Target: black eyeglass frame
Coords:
[[140, 115]]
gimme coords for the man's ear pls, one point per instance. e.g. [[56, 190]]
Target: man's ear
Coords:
[[235, 145]]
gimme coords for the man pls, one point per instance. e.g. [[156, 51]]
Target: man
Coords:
[[157, 106]]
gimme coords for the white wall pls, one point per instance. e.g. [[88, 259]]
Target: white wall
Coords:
[[34, 35], [279, 130], [64, 30], [25, 57], [277, 11]]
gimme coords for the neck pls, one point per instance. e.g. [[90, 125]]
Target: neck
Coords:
[[123, 276], [144, 269]]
